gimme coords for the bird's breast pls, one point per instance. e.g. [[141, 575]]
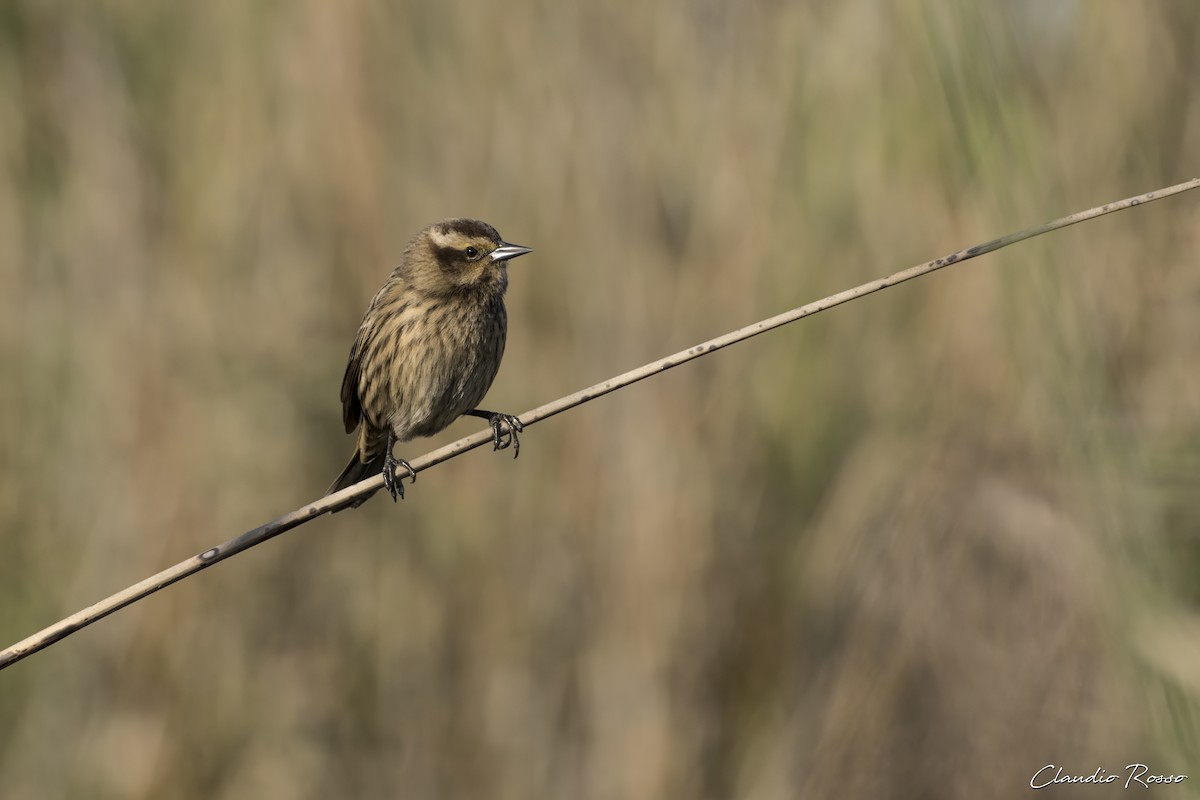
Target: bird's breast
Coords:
[[451, 369]]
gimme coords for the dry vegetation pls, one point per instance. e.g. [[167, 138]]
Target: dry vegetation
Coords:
[[919, 546]]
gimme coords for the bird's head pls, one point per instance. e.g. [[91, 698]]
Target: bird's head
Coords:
[[457, 255]]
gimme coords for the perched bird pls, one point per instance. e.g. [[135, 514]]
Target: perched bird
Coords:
[[428, 349]]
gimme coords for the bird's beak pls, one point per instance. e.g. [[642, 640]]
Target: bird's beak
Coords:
[[506, 251]]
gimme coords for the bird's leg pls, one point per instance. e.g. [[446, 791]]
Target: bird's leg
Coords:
[[505, 428], [391, 481]]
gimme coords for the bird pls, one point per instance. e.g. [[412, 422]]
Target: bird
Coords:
[[428, 349]]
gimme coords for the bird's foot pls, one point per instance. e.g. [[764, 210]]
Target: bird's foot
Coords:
[[391, 481], [505, 428]]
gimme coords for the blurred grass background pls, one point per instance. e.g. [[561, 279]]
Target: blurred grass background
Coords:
[[919, 546]]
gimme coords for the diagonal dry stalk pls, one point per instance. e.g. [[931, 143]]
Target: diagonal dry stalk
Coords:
[[87, 616]]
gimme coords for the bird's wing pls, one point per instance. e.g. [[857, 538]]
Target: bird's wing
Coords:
[[351, 405]]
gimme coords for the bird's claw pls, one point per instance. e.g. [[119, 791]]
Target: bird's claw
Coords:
[[505, 428], [391, 481]]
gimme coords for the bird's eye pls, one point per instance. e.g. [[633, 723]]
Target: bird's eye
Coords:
[[472, 252]]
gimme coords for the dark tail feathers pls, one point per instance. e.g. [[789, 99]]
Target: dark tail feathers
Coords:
[[354, 472]]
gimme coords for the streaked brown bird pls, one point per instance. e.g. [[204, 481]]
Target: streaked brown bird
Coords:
[[428, 349]]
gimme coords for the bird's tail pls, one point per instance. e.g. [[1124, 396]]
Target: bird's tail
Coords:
[[354, 472]]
